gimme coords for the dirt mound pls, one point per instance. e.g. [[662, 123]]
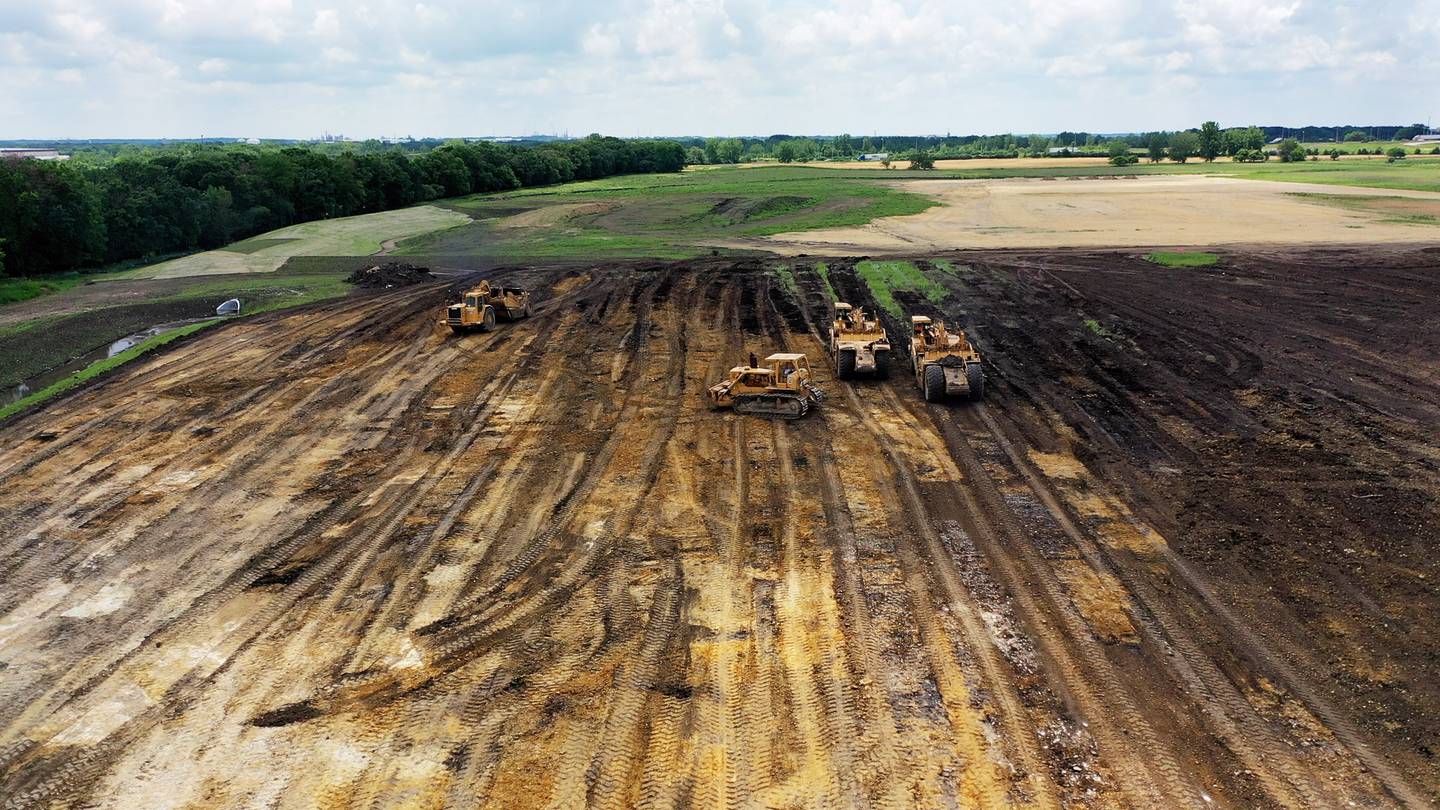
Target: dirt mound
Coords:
[[390, 274], [739, 209]]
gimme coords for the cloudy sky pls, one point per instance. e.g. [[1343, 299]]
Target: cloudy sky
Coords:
[[297, 68]]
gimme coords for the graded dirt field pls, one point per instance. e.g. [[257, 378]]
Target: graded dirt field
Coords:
[[1184, 555], [1112, 212]]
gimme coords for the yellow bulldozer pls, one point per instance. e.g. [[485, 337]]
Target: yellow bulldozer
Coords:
[[779, 387], [858, 344], [946, 365], [484, 305]]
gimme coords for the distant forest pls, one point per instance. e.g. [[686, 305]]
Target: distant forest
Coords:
[[107, 206], [787, 148]]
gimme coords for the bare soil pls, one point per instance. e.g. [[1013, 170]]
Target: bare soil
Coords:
[[1116, 211], [1184, 557]]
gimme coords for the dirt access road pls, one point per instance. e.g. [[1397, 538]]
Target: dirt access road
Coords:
[[1183, 557], [1119, 211]]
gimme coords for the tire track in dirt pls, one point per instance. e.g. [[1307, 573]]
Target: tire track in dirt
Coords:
[[233, 586], [311, 577], [1148, 772], [1235, 719], [985, 784]]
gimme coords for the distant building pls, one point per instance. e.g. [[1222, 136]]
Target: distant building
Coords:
[[1426, 139], [31, 154], [875, 156]]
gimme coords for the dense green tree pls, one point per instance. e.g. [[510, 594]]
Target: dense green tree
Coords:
[[1212, 142], [1290, 151], [922, 160], [1155, 146], [785, 151], [1246, 138], [1183, 146], [138, 203], [723, 150]]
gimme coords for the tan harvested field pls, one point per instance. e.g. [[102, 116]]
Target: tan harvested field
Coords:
[[1114, 212], [339, 557]]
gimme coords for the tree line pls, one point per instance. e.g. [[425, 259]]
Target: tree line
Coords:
[[1240, 142], [57, 217]]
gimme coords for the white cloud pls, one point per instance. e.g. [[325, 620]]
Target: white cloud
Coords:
[[327, 23], [707, 66]]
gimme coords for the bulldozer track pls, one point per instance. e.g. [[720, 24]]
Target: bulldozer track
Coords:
[[1145, 767], [339, 557], [1235, 719]]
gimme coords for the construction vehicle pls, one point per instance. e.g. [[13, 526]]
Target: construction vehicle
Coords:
[[779, 387], [484, 305], [946, 365], [858, 344]]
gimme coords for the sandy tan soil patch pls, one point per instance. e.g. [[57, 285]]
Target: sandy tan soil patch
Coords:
[[1092, 212]]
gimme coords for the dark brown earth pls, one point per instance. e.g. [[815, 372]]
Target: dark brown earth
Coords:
[[1182, 556]]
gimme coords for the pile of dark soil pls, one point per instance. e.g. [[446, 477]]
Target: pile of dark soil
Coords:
[[390, 274]]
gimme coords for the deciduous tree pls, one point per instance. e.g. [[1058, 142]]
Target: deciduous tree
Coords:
[[1212, 143]]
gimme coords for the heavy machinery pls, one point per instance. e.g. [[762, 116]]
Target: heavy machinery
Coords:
[[858, 345], [945, 364], [779, 387], [484, 304]]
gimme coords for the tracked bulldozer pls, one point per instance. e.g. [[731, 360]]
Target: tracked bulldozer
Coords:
[[484, 305], [780, 387], [946, 365], [858, 345]]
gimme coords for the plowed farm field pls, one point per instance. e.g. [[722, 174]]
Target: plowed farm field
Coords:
[[1184, 555]]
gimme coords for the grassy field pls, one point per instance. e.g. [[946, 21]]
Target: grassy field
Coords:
[[1350, 147], [1404, 210], [677, 216], [361, 235], [15, 290], [664, 216]]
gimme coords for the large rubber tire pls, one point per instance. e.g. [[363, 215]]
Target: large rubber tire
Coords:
[[975, 377], [845, 365], [487, 321], [934, 383], [882, 365]]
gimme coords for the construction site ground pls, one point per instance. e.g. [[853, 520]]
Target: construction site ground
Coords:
[[1184, 555]]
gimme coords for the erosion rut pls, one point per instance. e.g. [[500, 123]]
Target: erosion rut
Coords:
[[340, 557]]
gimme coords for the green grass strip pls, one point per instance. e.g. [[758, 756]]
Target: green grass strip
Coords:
[[823, 270], [15, 290], [1182, 259], [99, 367], [884, 278], [787, 280]]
